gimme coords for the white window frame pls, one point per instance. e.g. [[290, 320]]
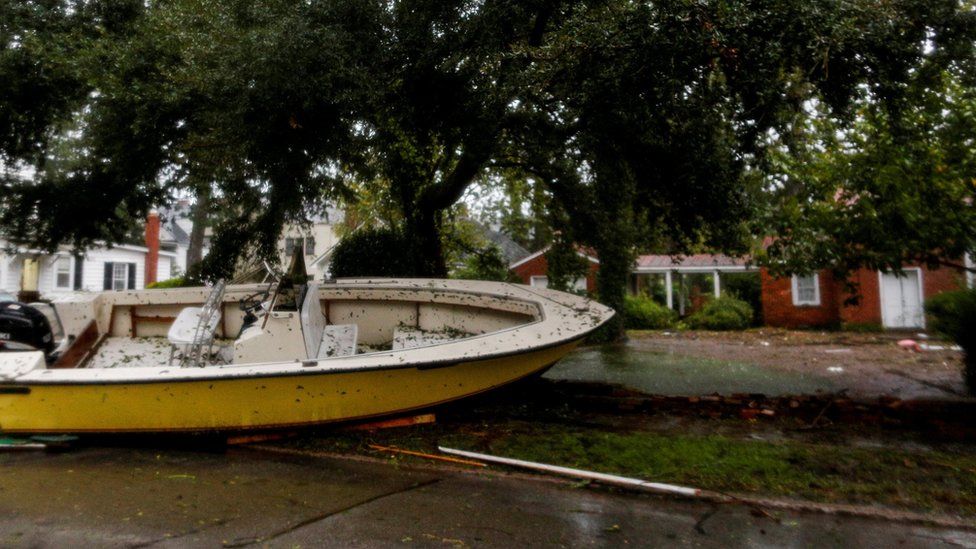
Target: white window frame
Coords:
[[970, 276], [57, 272], [115, 276], [540, 281], [815, 302], [579, 284]]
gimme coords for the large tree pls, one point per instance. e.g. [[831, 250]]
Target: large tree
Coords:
[[666, 108], [646, 121]]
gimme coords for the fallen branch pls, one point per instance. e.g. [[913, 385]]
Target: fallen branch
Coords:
[[427, 456], [613, 480]]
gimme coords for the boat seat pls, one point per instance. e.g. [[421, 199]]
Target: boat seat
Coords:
[[409, 338], [324, 340], [195, 328]]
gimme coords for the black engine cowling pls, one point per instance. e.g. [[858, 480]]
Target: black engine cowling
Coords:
[[22, 327]]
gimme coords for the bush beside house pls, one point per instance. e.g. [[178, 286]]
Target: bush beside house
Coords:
[[724, 313], [643, 313], [954, 315]]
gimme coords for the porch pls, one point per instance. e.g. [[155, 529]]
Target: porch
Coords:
[[685, 283]]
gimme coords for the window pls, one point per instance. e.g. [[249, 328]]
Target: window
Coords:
[[290, 246], [579, 285], [806, 289], [306, 244], [539, 281], [62, 273], [120, 276]]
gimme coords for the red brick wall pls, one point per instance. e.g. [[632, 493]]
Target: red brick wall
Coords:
[[778, 308], [868, 307], [936, 281], [539, 266]]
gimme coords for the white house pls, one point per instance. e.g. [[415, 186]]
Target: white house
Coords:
[[317, 240], [121, 267]]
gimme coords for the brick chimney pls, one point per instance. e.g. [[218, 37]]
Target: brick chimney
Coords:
[[152, 242]]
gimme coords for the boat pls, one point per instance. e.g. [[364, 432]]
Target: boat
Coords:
[[270, 356]]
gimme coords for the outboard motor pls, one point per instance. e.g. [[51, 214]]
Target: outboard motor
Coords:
[[24, 328]]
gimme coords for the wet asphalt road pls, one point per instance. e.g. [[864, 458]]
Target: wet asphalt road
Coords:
[[170, 498]]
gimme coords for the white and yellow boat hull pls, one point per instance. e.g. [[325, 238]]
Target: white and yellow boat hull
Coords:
[[34, 399]]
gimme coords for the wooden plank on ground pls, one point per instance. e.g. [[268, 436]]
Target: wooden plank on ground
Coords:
[[393, 423]]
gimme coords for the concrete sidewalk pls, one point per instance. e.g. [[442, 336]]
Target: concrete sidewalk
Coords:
[[169, 498]]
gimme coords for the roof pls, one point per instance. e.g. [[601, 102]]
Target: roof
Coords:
[[585, 253], [664, 262], [511, 250]]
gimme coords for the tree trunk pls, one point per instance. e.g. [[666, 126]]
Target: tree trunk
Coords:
[[428, 256], [200, 218], [614, 236]]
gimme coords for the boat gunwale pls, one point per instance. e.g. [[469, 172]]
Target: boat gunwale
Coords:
[[305, 371], [331, 365]]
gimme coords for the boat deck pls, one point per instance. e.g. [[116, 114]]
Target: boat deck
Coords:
[[153, 352]]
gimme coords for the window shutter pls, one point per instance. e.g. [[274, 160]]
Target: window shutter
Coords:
[[108, 275], [310, 245], [132, 277], [79, 269]]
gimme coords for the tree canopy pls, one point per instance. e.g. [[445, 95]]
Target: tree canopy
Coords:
[[676, 124]]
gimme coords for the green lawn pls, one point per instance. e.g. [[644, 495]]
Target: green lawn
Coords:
[[926, 481]]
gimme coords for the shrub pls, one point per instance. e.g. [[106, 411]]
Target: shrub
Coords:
[[175, 282], [643, 313], [484, 264], [373, 252], [748, 288], [724, 313], [954, 315]]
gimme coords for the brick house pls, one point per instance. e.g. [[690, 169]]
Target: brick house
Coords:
[[533, 270], [887, 300]]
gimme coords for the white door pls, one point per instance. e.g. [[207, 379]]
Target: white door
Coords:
[[901, 300]]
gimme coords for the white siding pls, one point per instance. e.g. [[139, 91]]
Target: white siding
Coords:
[[164, 271], [4, 260], [94, 270], [180, 262], [326, 237], [46, 274], [11, 274]]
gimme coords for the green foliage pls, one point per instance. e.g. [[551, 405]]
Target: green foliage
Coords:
[[175, 282], [748, 288], [373, 252], [643, 313], [866, 193], [954, 315], [724, 313], [565, 265], [484, 264], [645, 122]]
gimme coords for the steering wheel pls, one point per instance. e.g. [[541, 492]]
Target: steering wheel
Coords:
[[253, 302]]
